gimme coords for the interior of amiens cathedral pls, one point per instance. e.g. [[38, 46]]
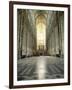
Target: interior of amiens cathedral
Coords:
[[40, 44]]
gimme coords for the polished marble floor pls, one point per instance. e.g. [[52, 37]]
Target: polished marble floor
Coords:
[[39, 68]]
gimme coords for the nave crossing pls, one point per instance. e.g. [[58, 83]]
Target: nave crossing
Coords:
[[40, 44]]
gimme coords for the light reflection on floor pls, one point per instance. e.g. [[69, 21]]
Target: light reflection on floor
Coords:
[[41, 67]]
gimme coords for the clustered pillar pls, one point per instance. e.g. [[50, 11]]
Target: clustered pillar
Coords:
[[56, 37], [25, 38]]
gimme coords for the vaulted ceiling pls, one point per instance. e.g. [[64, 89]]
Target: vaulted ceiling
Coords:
[[49, 16], [31, 16]]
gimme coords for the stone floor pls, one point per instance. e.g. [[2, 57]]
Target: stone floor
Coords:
[[39, 68]]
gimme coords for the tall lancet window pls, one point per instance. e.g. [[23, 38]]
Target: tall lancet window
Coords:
[[41, 32]]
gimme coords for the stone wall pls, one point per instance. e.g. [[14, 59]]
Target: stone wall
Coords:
[[26, 42], [55, 39]]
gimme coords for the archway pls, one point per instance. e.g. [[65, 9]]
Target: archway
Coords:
[[41, 33]]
